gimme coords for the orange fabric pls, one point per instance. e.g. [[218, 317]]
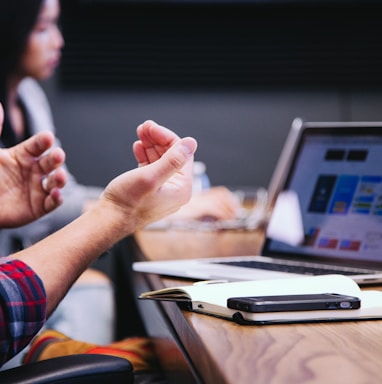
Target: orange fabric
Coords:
[[138, 350]]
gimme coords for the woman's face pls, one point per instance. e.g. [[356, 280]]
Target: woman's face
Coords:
[[43, 50]]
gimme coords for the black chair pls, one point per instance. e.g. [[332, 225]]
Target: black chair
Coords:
[[73, 369]]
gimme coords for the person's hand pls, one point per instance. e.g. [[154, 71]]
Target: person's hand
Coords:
[[30, 180], [159, 186], [216, 203], [163, 181], [154, 141]]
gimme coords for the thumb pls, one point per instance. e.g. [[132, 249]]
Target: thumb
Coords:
[[175, 159]]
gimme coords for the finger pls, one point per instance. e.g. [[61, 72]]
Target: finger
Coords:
[[155, 139], [53, 200], [38, 144], [56, 179], [52, 160], [151, 133], [140, 153], [146, 155]]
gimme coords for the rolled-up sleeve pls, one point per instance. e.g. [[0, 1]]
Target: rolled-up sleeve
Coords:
[[22, 307]]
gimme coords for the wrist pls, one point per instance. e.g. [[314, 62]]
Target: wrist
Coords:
[[115, 222]]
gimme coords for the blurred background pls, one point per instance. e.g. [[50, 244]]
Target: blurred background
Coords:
[[233, 74]]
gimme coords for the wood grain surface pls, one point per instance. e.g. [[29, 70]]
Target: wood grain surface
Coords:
[[224, 352]]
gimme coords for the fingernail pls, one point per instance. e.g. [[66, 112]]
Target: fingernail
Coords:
[[189, 144]]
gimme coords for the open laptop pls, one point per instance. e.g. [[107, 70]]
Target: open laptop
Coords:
[[334, 172]]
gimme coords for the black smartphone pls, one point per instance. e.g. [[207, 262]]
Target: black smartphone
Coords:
[[283, 303]]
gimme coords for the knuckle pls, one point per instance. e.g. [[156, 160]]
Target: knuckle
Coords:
[[176, 161]]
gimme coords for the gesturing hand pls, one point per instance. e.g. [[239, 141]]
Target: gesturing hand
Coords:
[[163, 181], [30, 180]]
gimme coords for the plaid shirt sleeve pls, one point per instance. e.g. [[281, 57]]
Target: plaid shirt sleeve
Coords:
[[22, 307]]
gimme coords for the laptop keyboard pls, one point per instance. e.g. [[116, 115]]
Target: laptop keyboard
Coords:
[[301, 269]]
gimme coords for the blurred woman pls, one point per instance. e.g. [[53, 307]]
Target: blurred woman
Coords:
[[30, 46]]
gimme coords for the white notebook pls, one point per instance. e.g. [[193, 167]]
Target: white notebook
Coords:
[[210, 298]]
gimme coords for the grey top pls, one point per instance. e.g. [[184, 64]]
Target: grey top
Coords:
[[39, 118]]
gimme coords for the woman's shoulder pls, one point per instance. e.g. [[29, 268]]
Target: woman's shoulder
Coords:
[[36, 105], [30, 88]]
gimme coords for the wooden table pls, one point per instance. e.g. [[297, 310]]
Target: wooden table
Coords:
[[196, 348]]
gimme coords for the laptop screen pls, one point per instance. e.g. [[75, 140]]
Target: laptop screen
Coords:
[[336, 175]]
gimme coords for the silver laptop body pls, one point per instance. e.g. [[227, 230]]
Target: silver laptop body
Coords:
[[333, 173]]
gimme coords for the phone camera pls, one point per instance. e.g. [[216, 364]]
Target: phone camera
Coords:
[[345, 304]]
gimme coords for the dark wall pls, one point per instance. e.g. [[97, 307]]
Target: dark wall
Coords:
[[267, 66]]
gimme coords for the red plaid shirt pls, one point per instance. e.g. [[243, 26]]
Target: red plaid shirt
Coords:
[[22, 307]]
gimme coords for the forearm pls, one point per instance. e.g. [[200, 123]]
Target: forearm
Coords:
[[60, 258], [129, 202]]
